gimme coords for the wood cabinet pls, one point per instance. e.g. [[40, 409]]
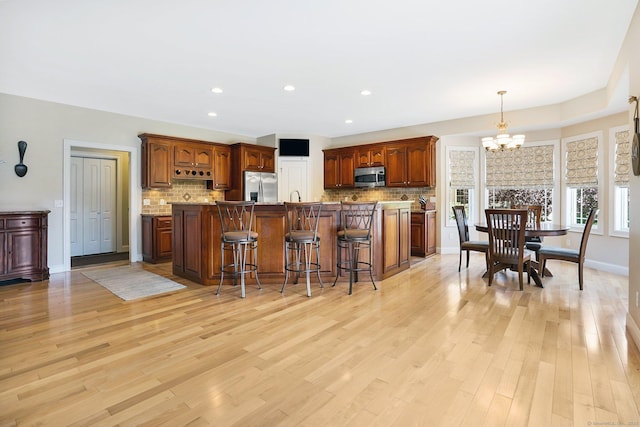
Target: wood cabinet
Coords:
[[396, 239], [423, 233], [339, 165], [157, 161], [255, 157], [156, 238], [411, 163], [248, 157], [408, 162], [23, 245], [192, 160], [196, 242], [191, 244], [221, 168], [167, 157], [369, 156]]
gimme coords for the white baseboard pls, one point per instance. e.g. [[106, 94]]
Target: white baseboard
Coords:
[[602, 266], [60, 268], [450, 250], [609, 268], [634, 330]]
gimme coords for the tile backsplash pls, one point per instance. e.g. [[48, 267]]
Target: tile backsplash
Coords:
[[182, 191], [382, 194], [196, 191]]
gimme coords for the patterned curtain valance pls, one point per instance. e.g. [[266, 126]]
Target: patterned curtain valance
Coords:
[[526, 167], [462, 169], [623, 158], [581, 163]]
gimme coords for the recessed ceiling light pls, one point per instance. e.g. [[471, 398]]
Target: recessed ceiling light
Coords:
[[212, 114], [216, 90], [289, 88], [348, 121], [365, 92]]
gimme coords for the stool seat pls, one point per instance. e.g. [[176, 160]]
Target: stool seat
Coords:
[[357, 234], [240, 236], [301, 236]]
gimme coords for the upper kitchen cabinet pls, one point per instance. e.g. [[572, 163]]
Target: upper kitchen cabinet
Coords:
[[167, 157], [411, 162], [221, 168], [248, 157], [157, 161], [338, 168], [192, 160], [368, 156], [256, 158]]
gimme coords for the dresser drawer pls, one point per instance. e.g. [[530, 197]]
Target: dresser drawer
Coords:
[[21, 223]]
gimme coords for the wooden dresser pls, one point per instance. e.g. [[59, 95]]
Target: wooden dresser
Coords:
[[23, 245]]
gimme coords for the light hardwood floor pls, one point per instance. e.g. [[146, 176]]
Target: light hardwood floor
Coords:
[[431, 347]]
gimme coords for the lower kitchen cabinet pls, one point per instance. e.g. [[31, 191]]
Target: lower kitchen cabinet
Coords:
[[156, 238], [395, 238], [423, 233]]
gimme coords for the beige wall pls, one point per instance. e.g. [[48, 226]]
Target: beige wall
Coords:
[[45, 126], [629, 56]]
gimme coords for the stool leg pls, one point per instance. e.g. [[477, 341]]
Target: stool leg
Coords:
[[243, 260], [286, 265], [338, 264], [371, 269], [317, 246], [255, 262], [221, 268], [352, 259], [307, 262]]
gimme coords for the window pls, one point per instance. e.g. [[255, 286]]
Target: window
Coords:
[[581, 177], [463, 178], [521, 177], [620, 143]]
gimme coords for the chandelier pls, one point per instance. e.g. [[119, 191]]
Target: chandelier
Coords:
[[503, 139]]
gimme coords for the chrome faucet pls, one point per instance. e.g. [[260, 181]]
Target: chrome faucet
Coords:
[[291, 196]]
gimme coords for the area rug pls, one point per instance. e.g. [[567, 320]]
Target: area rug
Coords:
[[130, 283]]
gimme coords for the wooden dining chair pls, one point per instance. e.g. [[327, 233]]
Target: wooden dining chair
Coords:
[[506, 229], [467, 245], [534, 215], [567, 254]]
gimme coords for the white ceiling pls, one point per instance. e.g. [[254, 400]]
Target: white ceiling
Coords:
[[424, 60]]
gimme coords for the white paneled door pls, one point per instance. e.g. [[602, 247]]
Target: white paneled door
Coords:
[[93, 206], [294, 176]]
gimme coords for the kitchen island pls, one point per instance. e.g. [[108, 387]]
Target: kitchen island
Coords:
[[196, 241]]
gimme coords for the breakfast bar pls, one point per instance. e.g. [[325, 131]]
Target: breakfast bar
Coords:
[[196, 241]]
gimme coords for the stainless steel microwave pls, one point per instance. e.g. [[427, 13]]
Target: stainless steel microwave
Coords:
[[370, 177]]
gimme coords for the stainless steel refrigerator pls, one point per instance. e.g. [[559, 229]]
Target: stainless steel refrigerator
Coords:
[[260, 186]]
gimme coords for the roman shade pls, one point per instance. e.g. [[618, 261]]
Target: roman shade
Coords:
[[525, 167], [622, 158], [581, 163], [462, 169]]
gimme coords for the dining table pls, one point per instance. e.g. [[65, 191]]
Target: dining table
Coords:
[[544, 229]]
